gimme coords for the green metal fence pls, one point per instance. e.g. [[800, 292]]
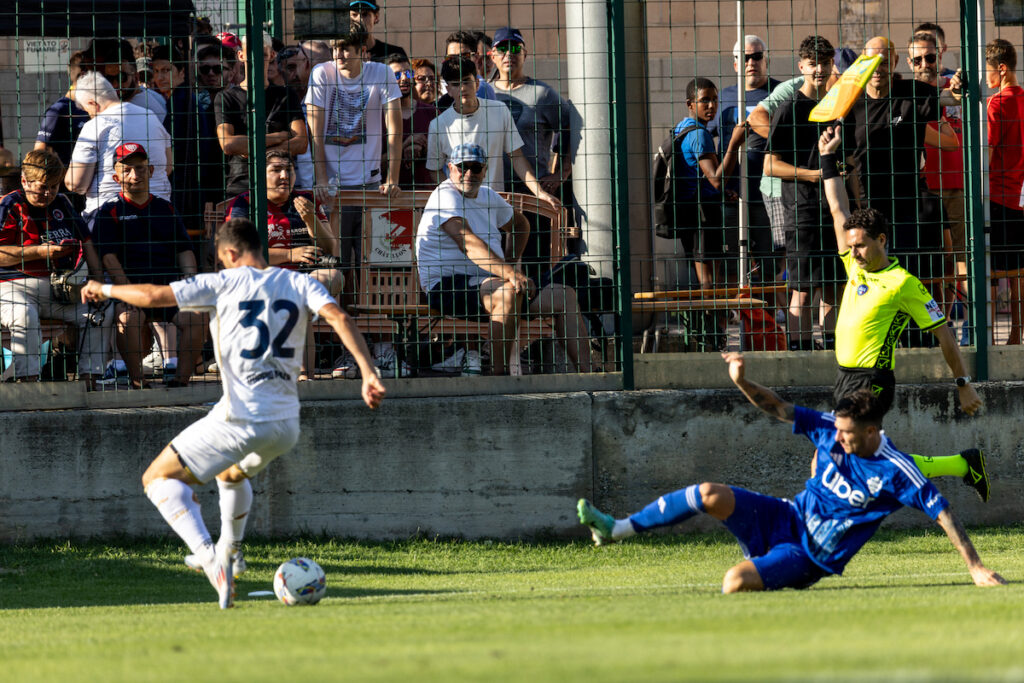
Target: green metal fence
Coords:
[[620, 69]]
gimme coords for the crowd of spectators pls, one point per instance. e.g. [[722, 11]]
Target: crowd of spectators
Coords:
[[358, 113], [151, 133], [903, 157]]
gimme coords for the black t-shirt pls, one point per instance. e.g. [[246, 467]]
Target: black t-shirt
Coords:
[[60, 127], [229, 106], [888, 139], [381, 51], [794, 140], [145, 239]]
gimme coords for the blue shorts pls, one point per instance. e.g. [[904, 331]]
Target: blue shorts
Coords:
[[768, 530]]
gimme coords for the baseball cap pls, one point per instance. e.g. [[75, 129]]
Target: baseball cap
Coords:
[[468, 152], [364, 4], [129, 149], [229, 40], [508, 34], [143, 64]]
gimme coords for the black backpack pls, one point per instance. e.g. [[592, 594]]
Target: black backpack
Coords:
[[667, 216]]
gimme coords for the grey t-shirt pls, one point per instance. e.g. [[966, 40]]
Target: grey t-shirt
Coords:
[[540, 114]]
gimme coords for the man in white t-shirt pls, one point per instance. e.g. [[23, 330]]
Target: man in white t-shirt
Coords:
[[344, 105], [258, 316], [470, 270], [487, 123], [113, 123]]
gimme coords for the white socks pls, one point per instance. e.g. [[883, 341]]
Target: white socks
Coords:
[[623, 529], [235, 501], [177, 503]]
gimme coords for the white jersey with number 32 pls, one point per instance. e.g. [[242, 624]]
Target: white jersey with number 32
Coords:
[[258, 323]]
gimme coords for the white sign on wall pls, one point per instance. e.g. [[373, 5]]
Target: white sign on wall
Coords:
[[42, 55], [392, 232]]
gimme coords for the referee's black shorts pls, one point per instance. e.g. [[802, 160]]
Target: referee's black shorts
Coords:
[[882, 383]]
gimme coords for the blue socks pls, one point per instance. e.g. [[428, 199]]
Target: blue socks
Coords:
[[671, 508]]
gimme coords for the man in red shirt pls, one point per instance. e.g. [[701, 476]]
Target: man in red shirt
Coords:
[[41, 233], [1006, 171]]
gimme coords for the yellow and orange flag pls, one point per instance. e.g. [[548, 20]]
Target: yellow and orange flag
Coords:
[[840, 98]]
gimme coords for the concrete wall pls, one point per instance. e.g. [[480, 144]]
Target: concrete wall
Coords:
[[491, 466]]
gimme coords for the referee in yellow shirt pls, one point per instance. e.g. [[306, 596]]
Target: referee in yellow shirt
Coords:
[[879, 300]]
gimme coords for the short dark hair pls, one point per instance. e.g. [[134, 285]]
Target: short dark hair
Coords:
[[931, 26], [862, 406], [1000, 51], [355, 36], [241, 234], [456, 68], [871, 221], [817, 48], [279, 154], [397, 58], [696, 84], [463, 38], [101, 51], [482, 37], [215, 51], [923, 37], [164, 52]]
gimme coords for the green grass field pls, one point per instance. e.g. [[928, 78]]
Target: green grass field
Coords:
[[419, 610]]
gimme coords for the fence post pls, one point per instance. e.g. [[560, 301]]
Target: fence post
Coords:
[[620, 187], [255, 18], [970, 37]]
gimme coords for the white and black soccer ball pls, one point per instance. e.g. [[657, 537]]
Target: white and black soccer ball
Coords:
[[300, 581]]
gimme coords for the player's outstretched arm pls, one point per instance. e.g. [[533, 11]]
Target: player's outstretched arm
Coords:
[[762, 397], [143, 296], [835, 190], [352, 338], [982, 575]]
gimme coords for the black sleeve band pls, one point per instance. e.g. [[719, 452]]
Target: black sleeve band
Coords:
[[829, 166]]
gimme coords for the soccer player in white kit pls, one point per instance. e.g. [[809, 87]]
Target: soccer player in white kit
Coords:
[[258, 322]]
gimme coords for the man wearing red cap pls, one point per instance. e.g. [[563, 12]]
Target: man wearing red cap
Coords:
[[142, 240]]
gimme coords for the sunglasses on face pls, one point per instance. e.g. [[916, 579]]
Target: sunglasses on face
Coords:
[[399, 75], [754, 56], [510, 48], [474, 167], [929, 58], [425, 79], [207, 69]]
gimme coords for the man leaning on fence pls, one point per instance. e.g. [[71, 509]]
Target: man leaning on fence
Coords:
[[468, 245], [40, 233]]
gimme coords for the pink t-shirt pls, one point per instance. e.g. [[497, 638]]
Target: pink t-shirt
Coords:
[[1006, 140]]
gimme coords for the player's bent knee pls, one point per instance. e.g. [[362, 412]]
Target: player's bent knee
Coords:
[[718, 499], [742, 578], [233, 475]]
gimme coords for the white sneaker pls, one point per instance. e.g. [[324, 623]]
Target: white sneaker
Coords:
[[153, 364], [238, 565], [385, 358], [219, 573], [453, 363], [472, 364], [346, 367]]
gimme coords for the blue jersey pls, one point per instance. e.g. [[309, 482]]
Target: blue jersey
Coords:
[[697, 143], [846, 500]]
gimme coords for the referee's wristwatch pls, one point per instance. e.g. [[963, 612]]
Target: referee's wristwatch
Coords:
[[963, 381]]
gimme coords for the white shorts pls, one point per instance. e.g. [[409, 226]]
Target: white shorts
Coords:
[[211, 445]]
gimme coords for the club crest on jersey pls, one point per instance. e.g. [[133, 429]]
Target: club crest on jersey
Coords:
[[874, 485], [862, 290], [58, 214]]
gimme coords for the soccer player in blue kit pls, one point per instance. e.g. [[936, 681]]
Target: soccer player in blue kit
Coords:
[[858, 478]]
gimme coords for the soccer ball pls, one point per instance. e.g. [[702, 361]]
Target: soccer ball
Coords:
[[300, 581]]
